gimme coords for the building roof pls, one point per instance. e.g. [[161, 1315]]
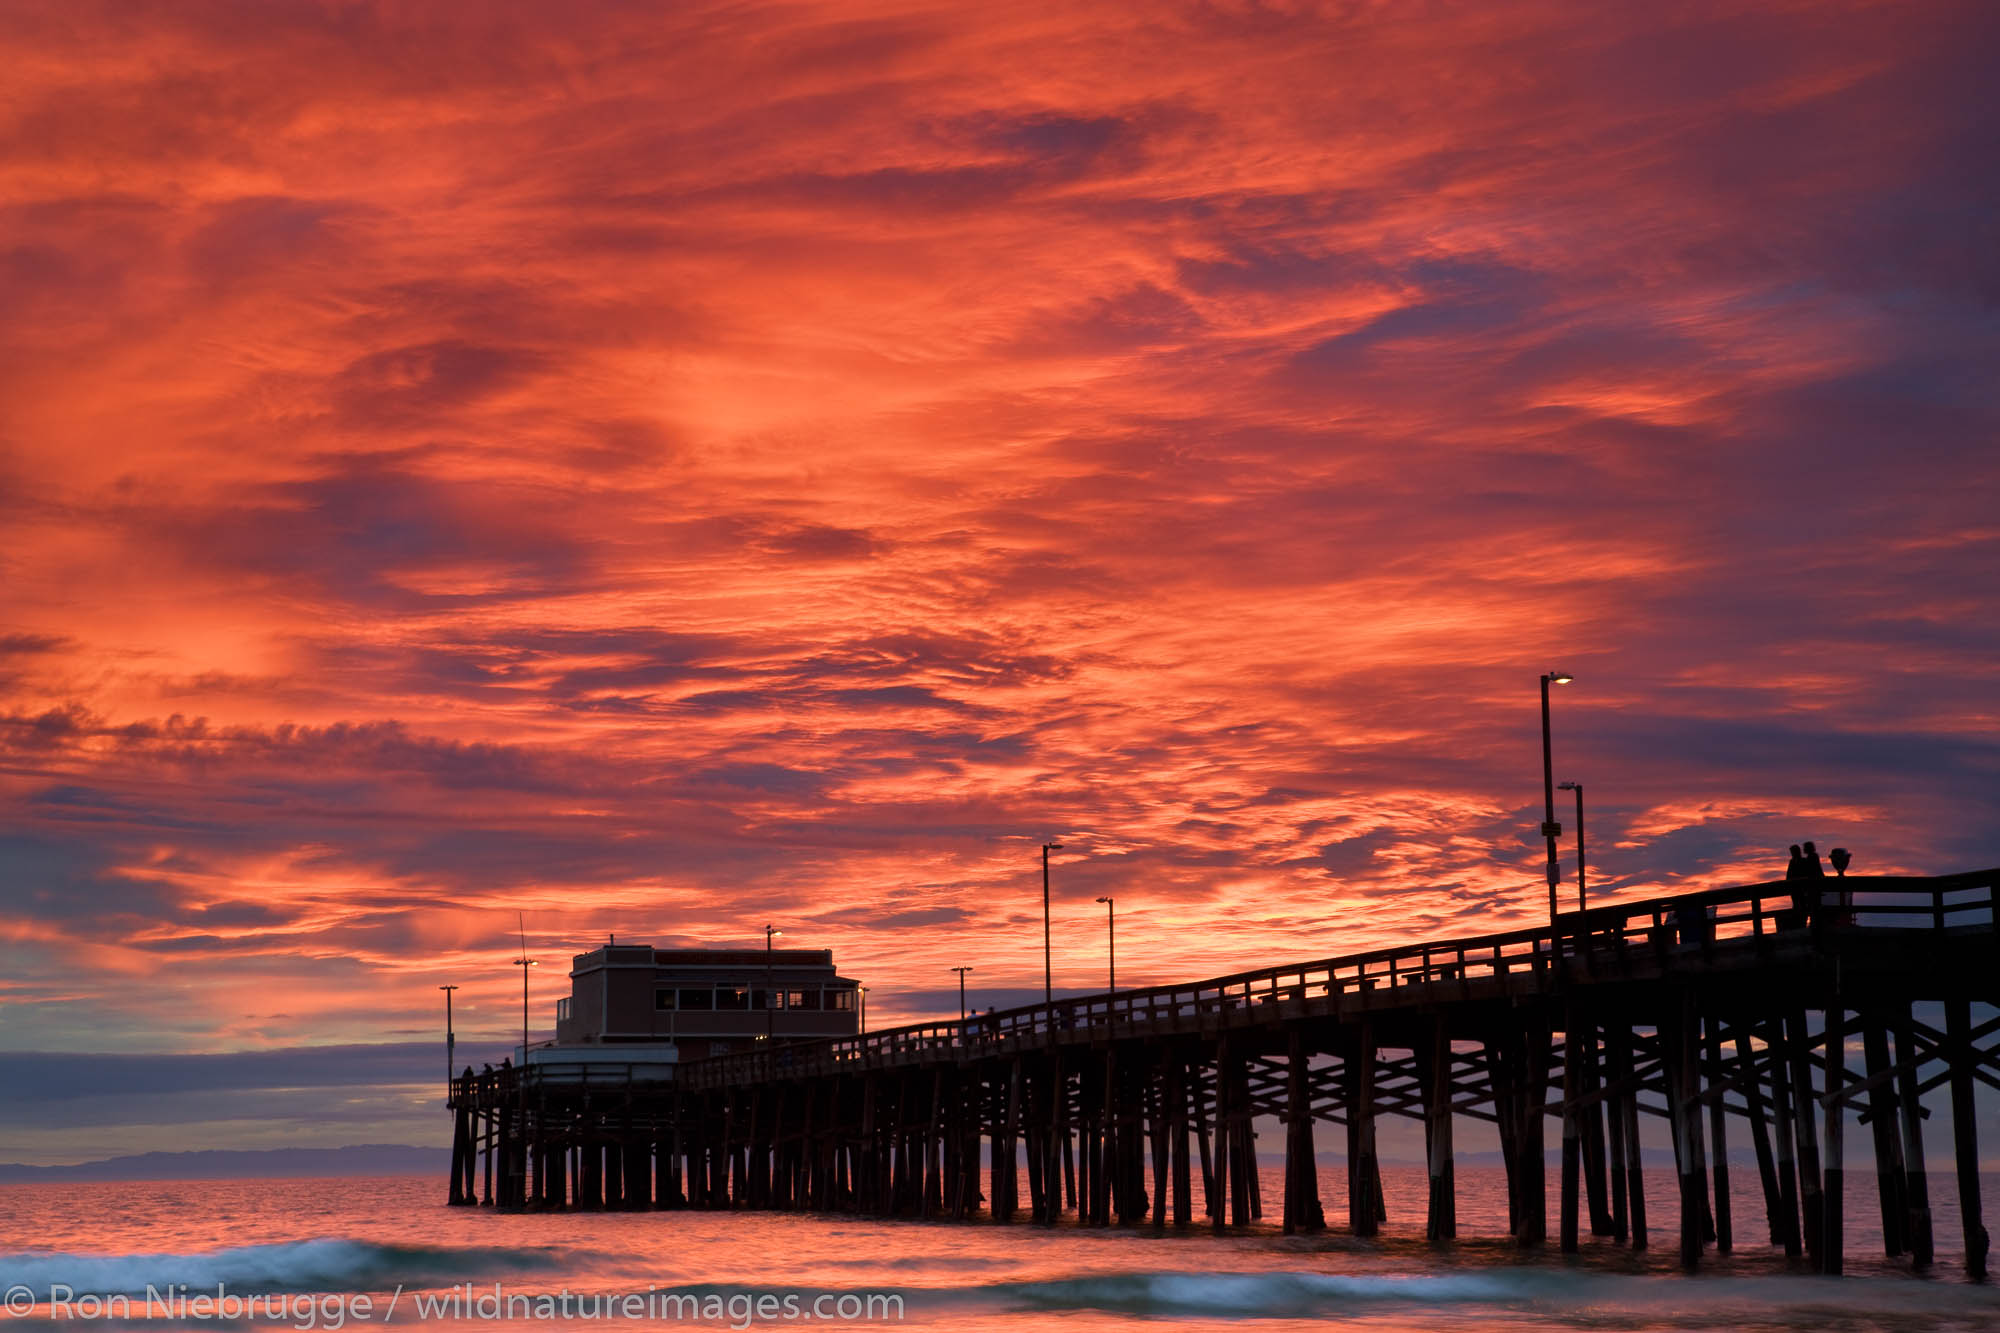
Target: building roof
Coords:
[[734, 960]]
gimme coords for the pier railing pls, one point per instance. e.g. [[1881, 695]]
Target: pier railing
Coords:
[[1677, 930], [568, 1076]]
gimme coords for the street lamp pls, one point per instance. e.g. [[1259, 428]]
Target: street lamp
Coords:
[[1550, 829], [1111, 924], [524, 963], [864, 1009], [961, 991], [1577, 787], [769, 932], [1048, 971], [450, 1042]]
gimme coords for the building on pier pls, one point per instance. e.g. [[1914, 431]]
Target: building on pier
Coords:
[[633, 1004]]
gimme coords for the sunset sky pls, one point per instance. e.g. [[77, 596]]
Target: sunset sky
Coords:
[[666, 469]]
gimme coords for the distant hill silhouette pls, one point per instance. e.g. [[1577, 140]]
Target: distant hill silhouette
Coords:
[[363, 1159]]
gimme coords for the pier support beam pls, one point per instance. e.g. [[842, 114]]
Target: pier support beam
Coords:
[[1798, 1049], [1760, 1134], [1218, 1199], [1441, 1217], [1572, 1130], [590, 1184], [1833, 1204], [1614, 1125], [1891, 1182], [1235, 1139], [1590, 1079], [1622, 1071], [461, 1148], [1004, 1162], [1718, 1128], [1916, 1190], [1363, 1200], [1531, 1129], [1961, 1060], [1035, 1118], [1678, 1044], [1778, 1049], [1177, 1130], [1302, 1205]]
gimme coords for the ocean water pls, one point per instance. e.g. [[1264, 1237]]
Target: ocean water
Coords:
[[349, 1254]]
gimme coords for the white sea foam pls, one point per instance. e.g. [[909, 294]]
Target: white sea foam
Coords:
[[1292, 1294], [326, 1264], [1279, 1294]]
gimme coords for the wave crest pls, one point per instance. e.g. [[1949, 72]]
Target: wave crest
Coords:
[[324, 1264]]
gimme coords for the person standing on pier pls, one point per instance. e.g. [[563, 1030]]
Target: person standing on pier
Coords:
[[1805, 897]]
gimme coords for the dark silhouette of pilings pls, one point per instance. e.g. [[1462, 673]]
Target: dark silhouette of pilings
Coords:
[[1721, 1013]]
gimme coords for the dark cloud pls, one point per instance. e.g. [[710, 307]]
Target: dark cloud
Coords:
[[892, 918], [242, 237], [28, 645], [42, 1076], [395, 385], [1344, 857], [367, 525]]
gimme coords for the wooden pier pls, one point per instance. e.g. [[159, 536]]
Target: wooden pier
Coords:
[[1730, 1012]]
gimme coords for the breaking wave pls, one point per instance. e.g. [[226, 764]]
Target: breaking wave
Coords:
[[326, 1264], [1281, 1294]]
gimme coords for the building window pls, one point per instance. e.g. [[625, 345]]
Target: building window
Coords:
[[732, 997], [802, 999], [697, 999], [842, 1000], [767, 999], [664, 998]]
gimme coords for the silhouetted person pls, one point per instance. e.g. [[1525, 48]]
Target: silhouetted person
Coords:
[[1813, 867], [1805, 900], [1692, 921]]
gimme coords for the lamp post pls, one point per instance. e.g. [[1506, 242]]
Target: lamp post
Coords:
[[1551, 830], [1111, 939], [1577, 787], [524, 963], [769, 932], [961, 991], [450, 1043], [864, 1009], [1048, 971]]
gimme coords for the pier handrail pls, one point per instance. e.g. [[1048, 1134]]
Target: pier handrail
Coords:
[[1674, 926], [512, 1080]]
